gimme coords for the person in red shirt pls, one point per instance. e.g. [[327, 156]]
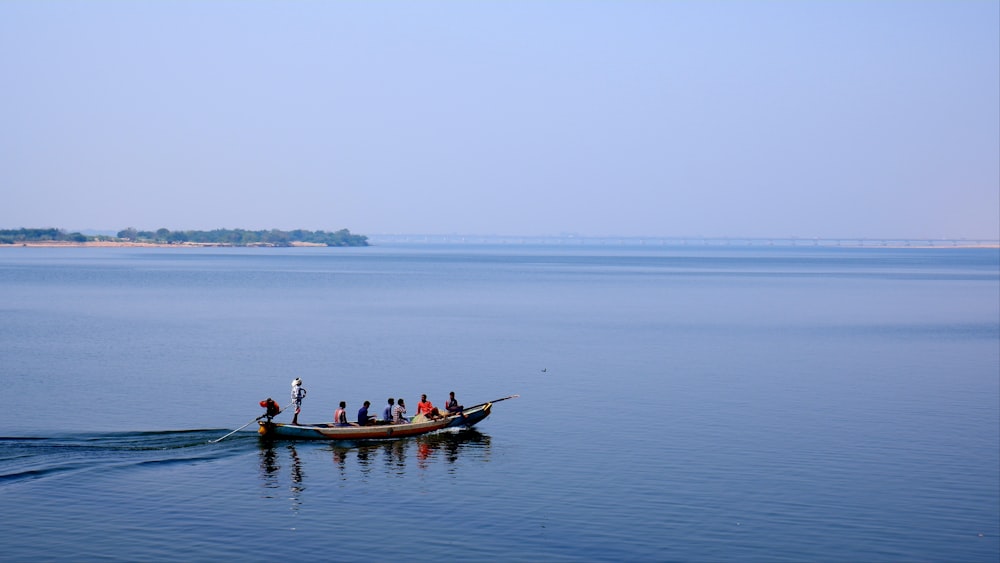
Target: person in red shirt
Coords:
[[425, 408], [272, 408]]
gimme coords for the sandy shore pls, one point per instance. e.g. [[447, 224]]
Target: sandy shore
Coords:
[[117, 244]]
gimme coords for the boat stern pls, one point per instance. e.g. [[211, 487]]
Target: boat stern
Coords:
[[265, 429]]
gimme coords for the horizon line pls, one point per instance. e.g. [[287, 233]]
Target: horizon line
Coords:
[[654, 239], [679, 238]]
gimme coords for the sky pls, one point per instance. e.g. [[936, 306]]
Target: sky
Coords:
[[539, 117]]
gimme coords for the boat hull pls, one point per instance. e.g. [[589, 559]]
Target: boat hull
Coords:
[[270, 430]]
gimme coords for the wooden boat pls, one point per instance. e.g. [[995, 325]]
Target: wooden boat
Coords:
[[419, 425]]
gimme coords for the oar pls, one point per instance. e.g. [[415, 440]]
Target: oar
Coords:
[[242, 427], [235, 431], [493, 401]]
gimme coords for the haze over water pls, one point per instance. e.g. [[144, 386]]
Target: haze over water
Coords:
[[695, 404]]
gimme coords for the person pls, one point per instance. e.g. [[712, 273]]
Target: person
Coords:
[[399, 412], [340, 415], [427, 409], [272, 408], [452, 405], [298, 393], [387, 414], [363, 418]]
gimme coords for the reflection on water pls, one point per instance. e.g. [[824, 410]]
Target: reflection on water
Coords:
[[363, 460], [271, 458], [269, 467]]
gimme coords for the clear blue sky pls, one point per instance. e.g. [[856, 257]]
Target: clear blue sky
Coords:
[[810, 119]]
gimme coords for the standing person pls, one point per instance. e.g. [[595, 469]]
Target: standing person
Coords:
[[452, 405], [387, 414], [298, 393], [399, 412], [363, 418], [340, 415]]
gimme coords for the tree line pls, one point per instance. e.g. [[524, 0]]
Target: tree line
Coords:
[[14, 236], [243, 237], [227, 237]]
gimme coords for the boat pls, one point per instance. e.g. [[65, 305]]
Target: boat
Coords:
[[418, 426]]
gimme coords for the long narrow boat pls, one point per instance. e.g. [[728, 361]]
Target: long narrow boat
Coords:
[[418, 426]]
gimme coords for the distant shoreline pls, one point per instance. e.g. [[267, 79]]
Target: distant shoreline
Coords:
[[53, 237], [126, 244]]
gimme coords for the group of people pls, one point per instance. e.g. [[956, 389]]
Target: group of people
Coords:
[[394, 412]]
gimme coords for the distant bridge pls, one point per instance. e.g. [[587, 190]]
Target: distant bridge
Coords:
[[849, 242]]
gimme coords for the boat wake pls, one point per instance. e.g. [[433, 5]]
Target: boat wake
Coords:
[[68, 456], [41, 457]]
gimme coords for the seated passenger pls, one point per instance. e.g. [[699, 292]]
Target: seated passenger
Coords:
[[364, 419], [387, 413], [399, 413], [340, 415], [425, 408], [452, 405]]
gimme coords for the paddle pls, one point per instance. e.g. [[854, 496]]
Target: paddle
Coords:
[[493, 401], [244, 426], [216, 441]]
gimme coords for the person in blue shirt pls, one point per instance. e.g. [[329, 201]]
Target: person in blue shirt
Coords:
[[387, 413], [363, 418]]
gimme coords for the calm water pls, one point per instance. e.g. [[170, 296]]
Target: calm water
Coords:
[[688, 404]]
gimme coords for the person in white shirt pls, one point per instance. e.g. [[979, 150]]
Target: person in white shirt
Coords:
[[298, 393], [399, 412]]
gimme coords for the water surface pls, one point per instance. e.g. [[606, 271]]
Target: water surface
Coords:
[[694, 404]]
